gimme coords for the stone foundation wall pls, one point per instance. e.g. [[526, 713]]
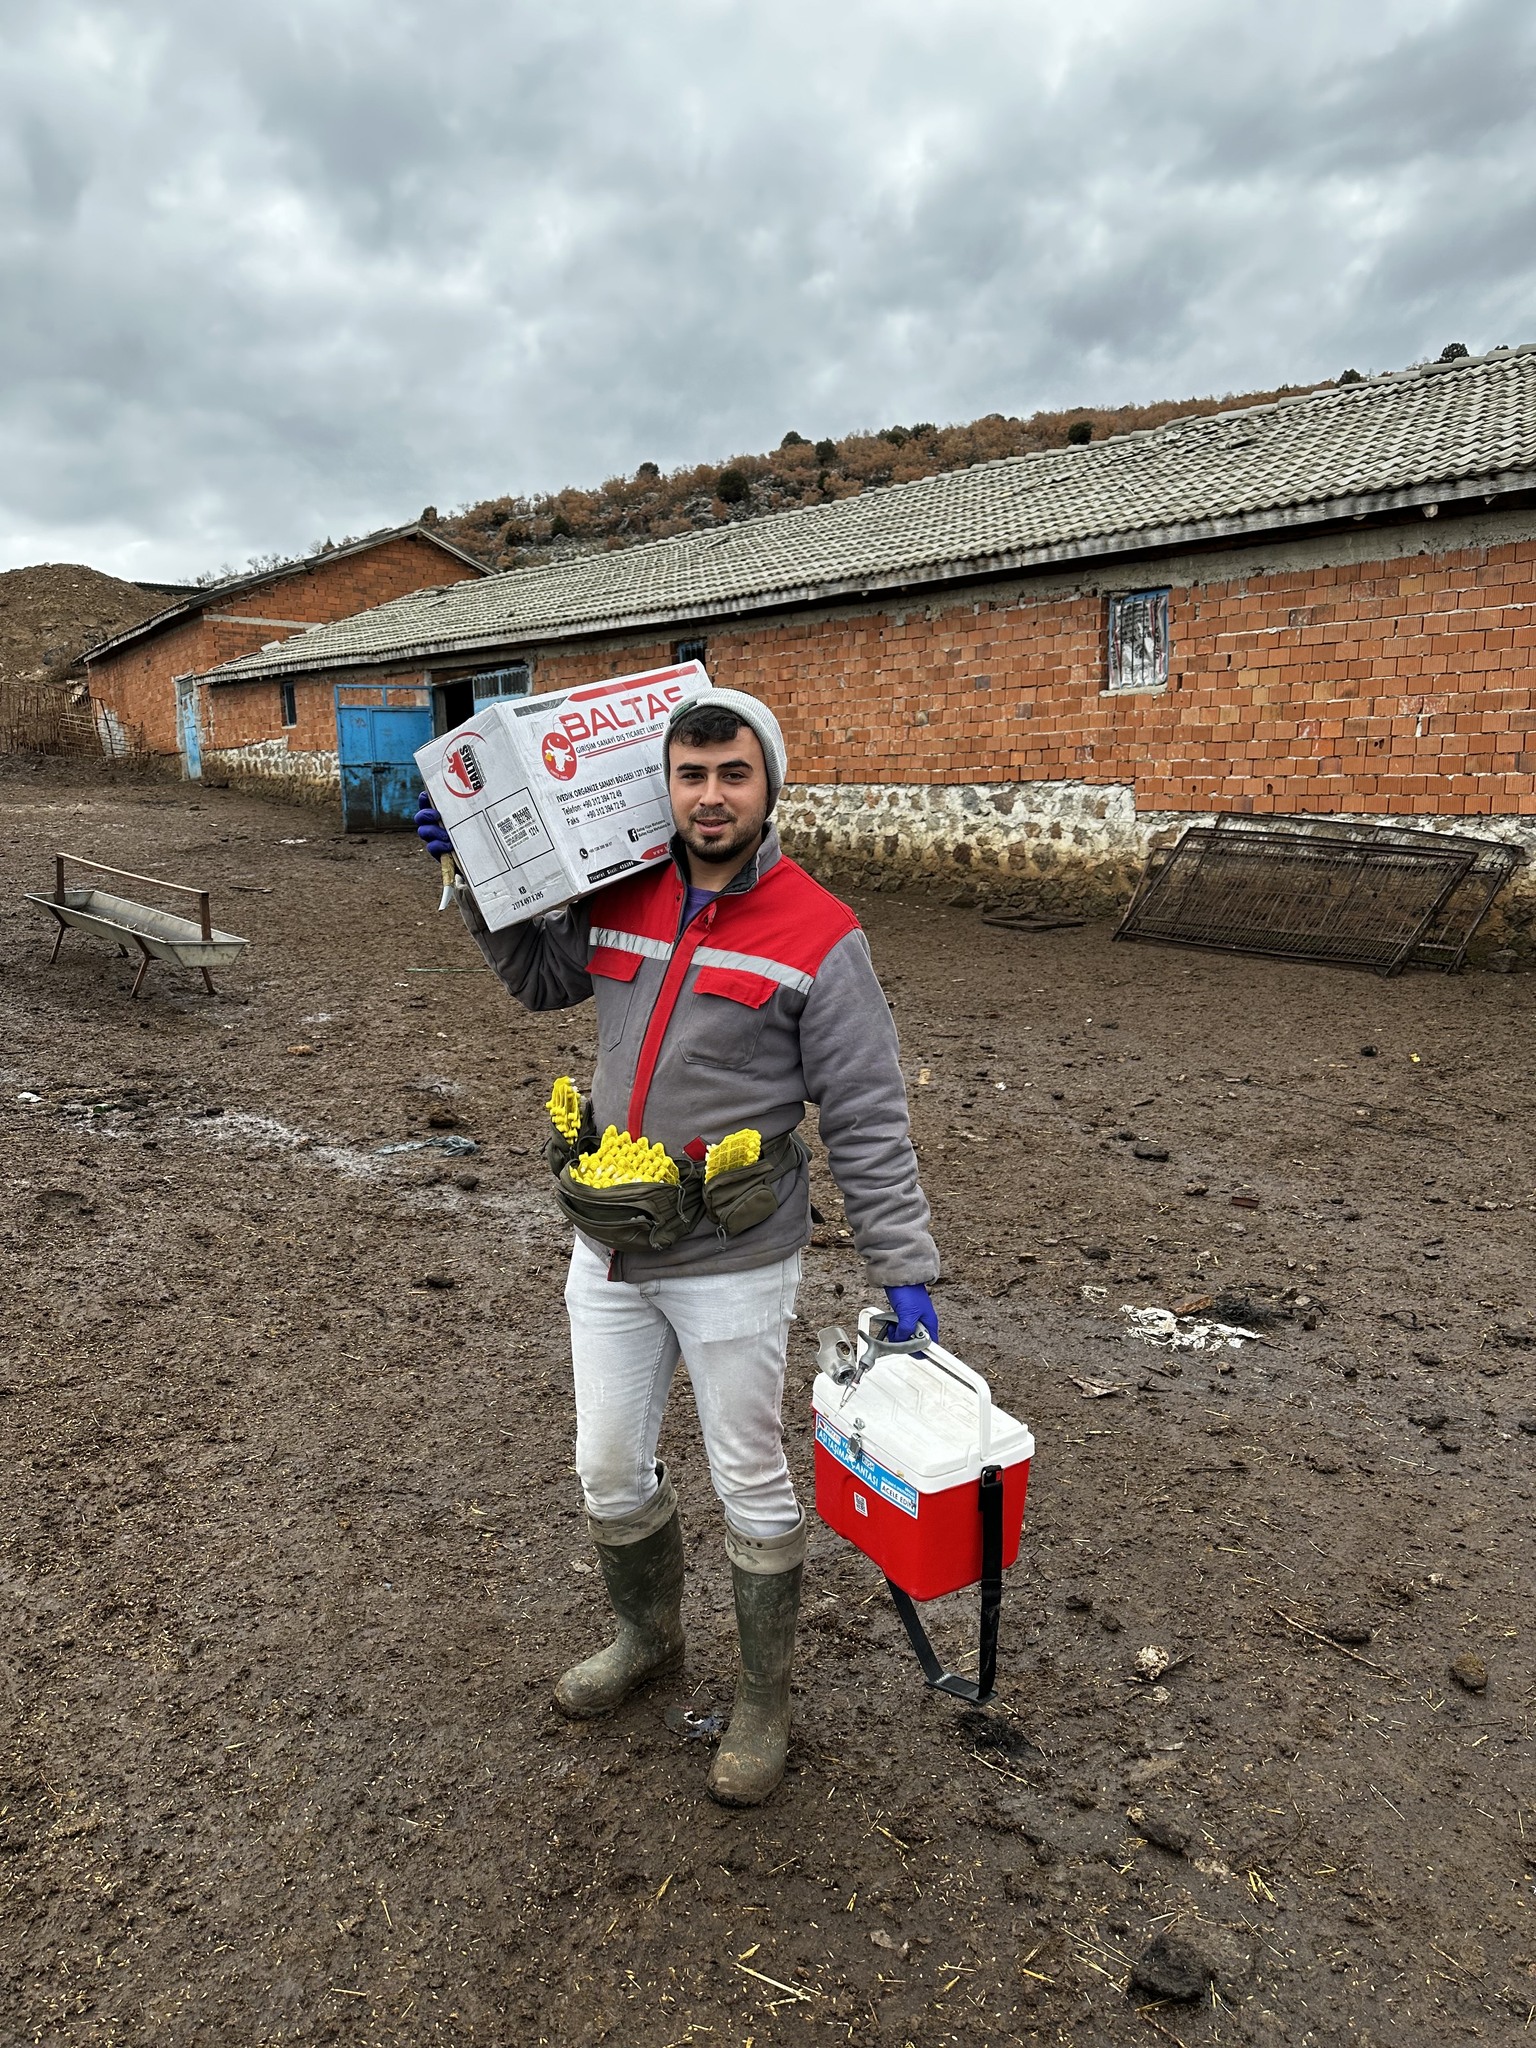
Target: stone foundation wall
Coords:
[[1077, 845], [273, 767], [1068, 846]]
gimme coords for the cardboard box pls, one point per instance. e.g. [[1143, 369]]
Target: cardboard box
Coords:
[[550, 797]]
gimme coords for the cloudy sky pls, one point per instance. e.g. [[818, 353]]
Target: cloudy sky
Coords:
[[277, 269]]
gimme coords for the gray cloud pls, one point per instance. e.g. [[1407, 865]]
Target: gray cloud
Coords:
[[280, 271]]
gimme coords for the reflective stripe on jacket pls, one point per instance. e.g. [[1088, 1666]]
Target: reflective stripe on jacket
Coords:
[[766, 1001]]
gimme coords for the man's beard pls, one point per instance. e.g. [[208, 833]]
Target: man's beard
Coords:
[[746, 833]]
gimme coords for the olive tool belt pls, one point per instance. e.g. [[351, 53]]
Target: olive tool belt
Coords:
[[653, 1215]]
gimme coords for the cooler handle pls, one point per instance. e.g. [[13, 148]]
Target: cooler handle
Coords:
[[876, 1346]]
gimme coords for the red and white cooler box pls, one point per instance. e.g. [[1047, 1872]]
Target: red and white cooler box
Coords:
[[899, 1458]]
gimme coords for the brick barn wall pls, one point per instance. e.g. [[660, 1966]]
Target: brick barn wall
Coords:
[[1395, 688], [248, 744], [971, 741], [239, 714], [968, 742], [139, 685]]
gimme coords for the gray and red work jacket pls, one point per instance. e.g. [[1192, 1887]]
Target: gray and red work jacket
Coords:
[[766, 1001]]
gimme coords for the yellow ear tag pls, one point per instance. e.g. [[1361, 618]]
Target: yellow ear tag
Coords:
[[565, 1109], [623, 1161], [741, 1148]]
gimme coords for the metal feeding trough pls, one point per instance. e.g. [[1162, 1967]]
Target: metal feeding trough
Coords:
[[158, 934], [1319, 889]]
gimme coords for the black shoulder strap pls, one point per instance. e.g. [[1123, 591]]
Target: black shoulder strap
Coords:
[[989, 1502]]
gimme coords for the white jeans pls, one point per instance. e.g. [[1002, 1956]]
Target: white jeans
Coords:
[[732, 1332]]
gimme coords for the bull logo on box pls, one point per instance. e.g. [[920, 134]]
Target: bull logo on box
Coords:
[[462, 772], [560, 756]]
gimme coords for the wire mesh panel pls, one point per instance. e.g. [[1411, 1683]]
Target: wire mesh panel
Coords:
[[1300, 894], [1444, 942]]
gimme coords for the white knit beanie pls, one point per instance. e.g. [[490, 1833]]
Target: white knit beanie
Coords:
[[753, 714]]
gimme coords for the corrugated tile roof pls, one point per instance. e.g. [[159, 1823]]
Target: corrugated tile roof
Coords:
[[1442, 428]]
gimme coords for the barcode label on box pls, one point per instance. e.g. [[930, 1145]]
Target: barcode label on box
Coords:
[[520, 824]]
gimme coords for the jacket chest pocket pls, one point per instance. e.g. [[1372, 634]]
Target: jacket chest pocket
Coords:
[[726, 1013], [613, 973]]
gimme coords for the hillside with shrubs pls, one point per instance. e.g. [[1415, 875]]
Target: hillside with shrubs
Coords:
[[516, 532]]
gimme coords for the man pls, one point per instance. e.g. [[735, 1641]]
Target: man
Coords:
[[731, 990]]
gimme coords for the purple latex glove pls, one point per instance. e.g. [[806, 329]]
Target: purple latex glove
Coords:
[[430, 829], [913, 1308]]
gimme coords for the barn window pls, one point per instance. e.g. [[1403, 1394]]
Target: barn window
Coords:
[[1138, 641], [515, 680], [290, 704], [688, 650]]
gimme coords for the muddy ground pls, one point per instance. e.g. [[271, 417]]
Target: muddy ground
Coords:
[[292, 1546]]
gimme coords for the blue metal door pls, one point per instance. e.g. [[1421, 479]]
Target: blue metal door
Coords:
[[378, 729], [189, 730]]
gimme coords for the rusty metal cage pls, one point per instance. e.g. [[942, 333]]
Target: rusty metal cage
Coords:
[[1318, 889]]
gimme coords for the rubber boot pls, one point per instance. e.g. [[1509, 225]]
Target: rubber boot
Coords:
[[642, 1561], [765, 1576]]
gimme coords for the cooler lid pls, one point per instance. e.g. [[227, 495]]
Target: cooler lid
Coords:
[[920, 1422]]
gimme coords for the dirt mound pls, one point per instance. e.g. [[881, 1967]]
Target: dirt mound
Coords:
[[50, 614]]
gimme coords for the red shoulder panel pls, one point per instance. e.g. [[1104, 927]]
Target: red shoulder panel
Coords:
[[788, 917], [646, 904]]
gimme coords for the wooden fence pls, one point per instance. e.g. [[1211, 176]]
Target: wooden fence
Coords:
[[50, 718]]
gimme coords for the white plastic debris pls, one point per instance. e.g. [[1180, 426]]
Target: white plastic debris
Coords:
[[1185, 1333]]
